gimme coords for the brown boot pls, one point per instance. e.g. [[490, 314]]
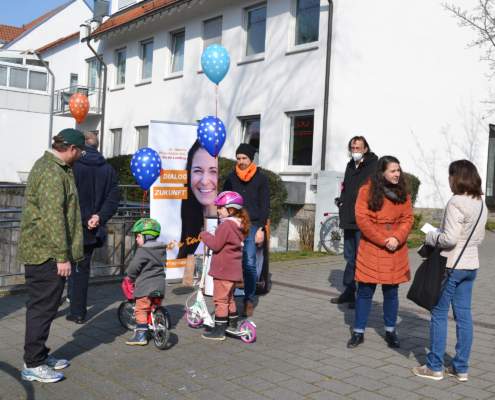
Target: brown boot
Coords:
[[248, 309]]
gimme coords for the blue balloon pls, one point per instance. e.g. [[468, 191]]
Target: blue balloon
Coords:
[[146, 166], [215, 62], [212, 135]]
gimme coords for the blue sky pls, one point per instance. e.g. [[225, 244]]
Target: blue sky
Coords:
[[18, 12]]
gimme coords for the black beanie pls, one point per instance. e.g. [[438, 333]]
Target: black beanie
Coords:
[[247, 150]]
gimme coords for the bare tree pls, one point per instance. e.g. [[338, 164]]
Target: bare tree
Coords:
[[482, 20]]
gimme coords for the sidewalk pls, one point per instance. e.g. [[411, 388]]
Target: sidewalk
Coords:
[[300, 351]]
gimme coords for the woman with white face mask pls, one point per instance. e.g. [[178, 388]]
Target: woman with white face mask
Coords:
[[358, 170]]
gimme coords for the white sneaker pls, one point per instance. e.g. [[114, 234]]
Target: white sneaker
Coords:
[[43, 373], [56, 364]]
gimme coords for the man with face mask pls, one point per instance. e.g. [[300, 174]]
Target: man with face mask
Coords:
[[358, 170]]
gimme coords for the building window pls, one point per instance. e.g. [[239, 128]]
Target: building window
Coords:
[[212, 32], [178, 44], [142, 137], [255, 30], [125, 3], [37, 63], [251, 130], [301, 139], [3, 76], [490, 170], [73, 83], [307, 21], [120, 58], [18, 78], [147, 59], [94, 74], [37, 80], [117, 142], [12, 60]]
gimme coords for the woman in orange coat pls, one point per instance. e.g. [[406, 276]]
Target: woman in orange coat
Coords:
[[384, 216]]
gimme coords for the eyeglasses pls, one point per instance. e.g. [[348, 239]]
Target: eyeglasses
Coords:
[[356, 148], [83, 152]]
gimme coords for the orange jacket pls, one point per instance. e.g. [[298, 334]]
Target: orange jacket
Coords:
[[376, 264]]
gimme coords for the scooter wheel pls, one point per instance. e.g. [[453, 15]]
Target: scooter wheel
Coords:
[[248, 333], [193, 318]]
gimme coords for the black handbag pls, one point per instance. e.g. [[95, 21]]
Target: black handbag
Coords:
[[432, 276]]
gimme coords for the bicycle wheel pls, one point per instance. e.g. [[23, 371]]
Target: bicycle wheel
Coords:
[[126, 314], [161, 334], [331, 236]]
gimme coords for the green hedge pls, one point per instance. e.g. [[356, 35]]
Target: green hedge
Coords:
[[121, 164], [413, 184]]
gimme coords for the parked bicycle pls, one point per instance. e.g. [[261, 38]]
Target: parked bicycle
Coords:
[[331, 235]]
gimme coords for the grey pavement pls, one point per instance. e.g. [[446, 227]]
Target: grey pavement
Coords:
[[300, 351]]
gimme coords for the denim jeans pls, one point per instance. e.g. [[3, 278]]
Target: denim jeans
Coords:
[[458, 291], [249, 265], [363, 305], [351, 245]]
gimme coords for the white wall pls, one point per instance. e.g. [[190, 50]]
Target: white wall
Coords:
[[401, 69], [63, 23]]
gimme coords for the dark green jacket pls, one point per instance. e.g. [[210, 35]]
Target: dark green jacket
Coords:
[[51, 224]]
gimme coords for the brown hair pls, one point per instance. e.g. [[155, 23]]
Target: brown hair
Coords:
[[59, 144], [377, 191], [466, 179], [244, 217]]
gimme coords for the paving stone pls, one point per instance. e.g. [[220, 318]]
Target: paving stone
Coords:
[[245, 394], [207, 394], [182, 386], [146, 388], [282, 394], [253, 382]]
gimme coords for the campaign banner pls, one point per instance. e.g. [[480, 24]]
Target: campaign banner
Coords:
[[185, 192]]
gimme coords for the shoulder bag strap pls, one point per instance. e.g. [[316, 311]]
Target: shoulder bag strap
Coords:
[[469, 238]]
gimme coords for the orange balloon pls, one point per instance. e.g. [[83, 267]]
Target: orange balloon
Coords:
[[79, 106]]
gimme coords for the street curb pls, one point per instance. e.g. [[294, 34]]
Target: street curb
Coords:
[[94, 281]]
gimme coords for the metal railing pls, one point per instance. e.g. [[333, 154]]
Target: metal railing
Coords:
[[110, 259], [62, 97]]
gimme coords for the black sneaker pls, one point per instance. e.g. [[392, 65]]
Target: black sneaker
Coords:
[[343, 298], [356, 340], [77, 320]]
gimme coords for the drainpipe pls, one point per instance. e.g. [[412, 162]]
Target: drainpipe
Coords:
[[52, 97], [103, 97], [327, 86]]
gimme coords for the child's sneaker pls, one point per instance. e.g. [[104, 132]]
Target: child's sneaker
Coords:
[[56, 364], [139, 338], [43, 373]]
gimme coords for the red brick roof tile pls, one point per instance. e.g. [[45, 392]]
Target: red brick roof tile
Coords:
[[57, 42], [131, 15]]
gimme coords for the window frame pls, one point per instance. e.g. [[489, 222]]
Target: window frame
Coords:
[[243, 121], [116, 63], [291, 45], [141, 58], [203, 31], [47, 83], [245, 20], [70, 83], [490, 200], [172, 35], [137, 137], [297, 168], [28, 68], [88, 75], [113, 142]]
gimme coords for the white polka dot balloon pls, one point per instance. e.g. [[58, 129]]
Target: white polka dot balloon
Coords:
[[212, 135], [146, 167]]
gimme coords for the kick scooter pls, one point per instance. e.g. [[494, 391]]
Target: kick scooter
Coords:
[[198, 314]]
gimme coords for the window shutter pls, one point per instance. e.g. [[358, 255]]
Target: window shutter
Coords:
[[212, 32]]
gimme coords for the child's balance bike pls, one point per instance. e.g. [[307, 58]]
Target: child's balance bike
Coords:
[[159, 323], [198, 315]]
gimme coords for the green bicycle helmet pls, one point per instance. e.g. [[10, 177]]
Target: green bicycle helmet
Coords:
[[147, 226]]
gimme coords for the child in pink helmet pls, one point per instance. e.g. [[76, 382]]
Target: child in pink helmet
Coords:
[[226, 263]]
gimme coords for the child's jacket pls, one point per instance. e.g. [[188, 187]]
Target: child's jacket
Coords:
[[147, 269], [226, 262]]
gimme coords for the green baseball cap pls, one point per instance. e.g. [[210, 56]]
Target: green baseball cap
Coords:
[[73, 137]]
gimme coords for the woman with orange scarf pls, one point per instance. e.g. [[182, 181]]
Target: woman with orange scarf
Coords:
[[253, 186]]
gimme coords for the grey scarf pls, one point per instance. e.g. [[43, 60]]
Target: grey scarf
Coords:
[[389, 194]]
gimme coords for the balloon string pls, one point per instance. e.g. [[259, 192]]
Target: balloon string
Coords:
[[144, 197], [216, 120]]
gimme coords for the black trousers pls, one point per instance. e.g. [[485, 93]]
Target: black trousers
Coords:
[[80, 280], [45, 288]]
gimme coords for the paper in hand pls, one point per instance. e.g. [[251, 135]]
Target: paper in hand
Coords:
[[429, 228]]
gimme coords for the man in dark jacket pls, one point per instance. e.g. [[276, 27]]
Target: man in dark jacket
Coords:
[[254, 188], [99, 198], [358, 170]]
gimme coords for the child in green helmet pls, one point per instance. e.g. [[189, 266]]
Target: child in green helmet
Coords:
[[147, 270]]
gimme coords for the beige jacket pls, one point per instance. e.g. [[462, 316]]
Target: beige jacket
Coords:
[[458, 221]]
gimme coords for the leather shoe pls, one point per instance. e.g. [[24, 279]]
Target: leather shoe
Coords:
[[248, 309], [356, 340], [391, 338], [352, 306], [343, 298], [77, 320]]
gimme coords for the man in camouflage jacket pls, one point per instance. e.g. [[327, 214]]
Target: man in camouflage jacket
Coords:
[[51, 237]]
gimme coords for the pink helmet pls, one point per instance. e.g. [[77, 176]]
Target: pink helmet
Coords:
[[229, 199]]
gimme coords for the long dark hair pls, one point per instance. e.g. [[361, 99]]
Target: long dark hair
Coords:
[[191, 210], [365, 142], [377, 191], [466, 179]]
